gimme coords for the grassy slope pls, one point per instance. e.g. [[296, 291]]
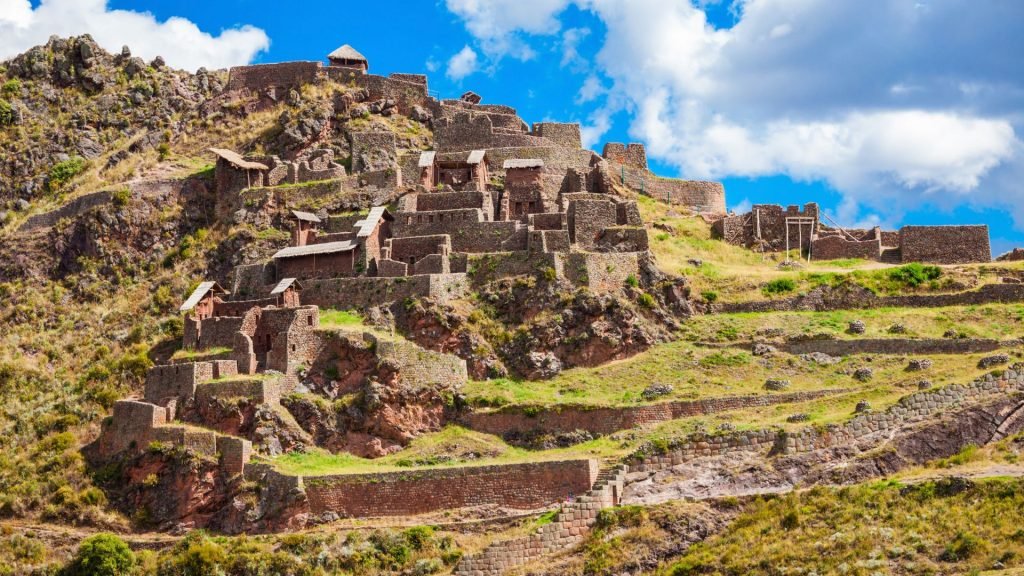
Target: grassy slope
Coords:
[[879, 528]]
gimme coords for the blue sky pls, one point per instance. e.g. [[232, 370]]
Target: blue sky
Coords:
[[889, 112]]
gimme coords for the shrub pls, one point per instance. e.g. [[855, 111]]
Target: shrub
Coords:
[[62, 172], [101, 555], [646, 300], [709, 296], [915, 274], [779, 286], [164, 151], [550, 274], [961, 548], [6, 113], [121, 196], [631, 281], [11, 87]]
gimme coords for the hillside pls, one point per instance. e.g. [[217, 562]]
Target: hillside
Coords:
[[305, 319]]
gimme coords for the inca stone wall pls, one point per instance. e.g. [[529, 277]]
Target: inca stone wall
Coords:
[[633, 155], [526, 486], [262, 76], [568, 528], [566, 135], [175, 380], [835, 247], [825, 300], [945, 244], [567, 419], [837, 347], [347, 293], [909, 409]]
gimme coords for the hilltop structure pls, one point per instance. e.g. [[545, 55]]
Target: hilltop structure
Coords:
[[772, 228]]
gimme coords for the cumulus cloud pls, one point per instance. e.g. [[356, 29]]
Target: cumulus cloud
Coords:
[[462, 64], [179, 41], [497, 23], [894, 106]]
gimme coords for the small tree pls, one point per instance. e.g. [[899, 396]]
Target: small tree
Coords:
[[101, 555]]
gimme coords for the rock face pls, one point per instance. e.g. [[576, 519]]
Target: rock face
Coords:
[[371, 403], [77, 80]]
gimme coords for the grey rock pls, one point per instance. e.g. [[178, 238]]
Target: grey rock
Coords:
[[863, 374], [862, 406], [857, 327], [761, 349], [994, 360], [918, 364], [820, 358], [655, 390], [776, 385]]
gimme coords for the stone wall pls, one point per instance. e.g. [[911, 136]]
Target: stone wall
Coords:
[[473, 131], [836, 347], [587, 219], [566, 419], [372, 150], [765, 224], [836, 246], [346, 293], [825, 300], [945, 244], [600, 272], [261, 390], [466, 236], [568, 528], [130, 427], [909, 409], [697, 195], [431, 201], [633, 155], [562, 134], [262, 76], [526, 486], [175, 381]]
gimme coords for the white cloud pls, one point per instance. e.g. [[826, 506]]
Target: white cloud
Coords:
[[591, 89], [570, 47], [592, 132], [179, 41], [495, 23], [462, 64], [894, 106]]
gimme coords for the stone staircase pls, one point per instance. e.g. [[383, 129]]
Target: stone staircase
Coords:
[[1009, 423], [890, 255], [569, 527]]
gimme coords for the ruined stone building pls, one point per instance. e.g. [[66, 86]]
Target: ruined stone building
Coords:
[[772, 228]]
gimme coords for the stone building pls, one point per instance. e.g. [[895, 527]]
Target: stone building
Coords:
[[772, 228]]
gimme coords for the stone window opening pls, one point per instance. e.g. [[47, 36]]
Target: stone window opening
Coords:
[[309, 320], [268, 341], [293, 347]]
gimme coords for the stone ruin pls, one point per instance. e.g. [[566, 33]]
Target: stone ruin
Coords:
[[772, 228], [494, 194]]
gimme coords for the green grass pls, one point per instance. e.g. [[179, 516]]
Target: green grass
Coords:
[[330, 318], [880, 528], [190, 354], [998, 321], [697, 372]]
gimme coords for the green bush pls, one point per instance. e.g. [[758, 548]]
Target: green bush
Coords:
[[646, 300], [709, 296], [11, 87], [62, 172], [779, 286], [915, 274], [6, 113], [101, 555], [961, 548], [631, 281]]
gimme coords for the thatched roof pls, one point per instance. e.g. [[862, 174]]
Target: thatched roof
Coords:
[[346, 52]]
